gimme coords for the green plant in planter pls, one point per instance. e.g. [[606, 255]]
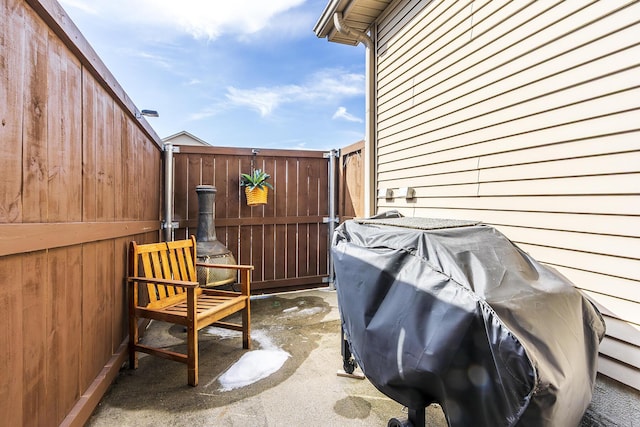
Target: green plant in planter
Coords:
[[257, 179]]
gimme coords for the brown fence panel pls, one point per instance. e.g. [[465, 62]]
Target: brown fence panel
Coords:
[[80, 179], [351, 182], [286, 240]]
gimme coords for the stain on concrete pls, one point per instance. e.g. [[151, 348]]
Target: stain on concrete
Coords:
[[352, 407]]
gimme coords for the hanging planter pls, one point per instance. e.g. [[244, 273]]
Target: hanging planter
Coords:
[[256, 187], [257, 196]]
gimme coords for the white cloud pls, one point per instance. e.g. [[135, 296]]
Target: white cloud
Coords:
[[84, 6], [342, 113], [265, 100], [207, 112], [159, 60], [326, 85], [202, 19]]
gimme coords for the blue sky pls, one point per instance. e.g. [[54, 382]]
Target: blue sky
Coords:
[[242, 73]]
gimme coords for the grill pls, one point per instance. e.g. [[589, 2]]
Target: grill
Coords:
[[452, 312]]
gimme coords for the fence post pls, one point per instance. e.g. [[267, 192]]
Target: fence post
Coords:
[[333, 219], [167, 223]]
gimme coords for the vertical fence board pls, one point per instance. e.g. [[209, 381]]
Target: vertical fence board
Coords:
[[137, 189], [69, 328], [105, 287], [90, 356], [64, 135], [243, 166], [55, 292], [35, 174], [319, 191], [97, 261], [119, 314], [128, 166], [280, 209], [180, 188], [305, 194], [153, 169], [118, 146], [193, 180], [323, 206], [88, 148], [226, 168], [224, 202], [11, 339], [281, 238], [268, 238], [34, 294], [105, 190], [292, 210], [269, 254], [63, 324], [12, 33], [208, 174]]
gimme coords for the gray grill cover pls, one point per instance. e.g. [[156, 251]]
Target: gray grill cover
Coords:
[[453, 312]]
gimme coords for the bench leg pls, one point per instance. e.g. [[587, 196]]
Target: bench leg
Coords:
[[133, 355], [246, 327], [192, 354], [133, 327], [192, 339]]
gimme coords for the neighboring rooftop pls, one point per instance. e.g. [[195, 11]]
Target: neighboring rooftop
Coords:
[[185, 138]]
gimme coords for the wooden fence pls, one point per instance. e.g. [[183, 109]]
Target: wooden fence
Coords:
[[351, 182], [80, 179], [287, 239]]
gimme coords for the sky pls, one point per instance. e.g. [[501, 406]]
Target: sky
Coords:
[[242, 73]]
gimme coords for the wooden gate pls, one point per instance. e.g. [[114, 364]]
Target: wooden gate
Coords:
[[351, 182], [286, 240]]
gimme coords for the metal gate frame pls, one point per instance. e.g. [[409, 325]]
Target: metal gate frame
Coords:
[[286, 240]]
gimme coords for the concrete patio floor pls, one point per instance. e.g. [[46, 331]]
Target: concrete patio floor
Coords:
[[305, 390]]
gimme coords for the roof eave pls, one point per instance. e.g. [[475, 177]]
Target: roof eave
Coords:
[[358, 15], [325, 26]]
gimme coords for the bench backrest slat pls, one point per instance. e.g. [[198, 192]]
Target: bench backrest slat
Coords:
[[166, 260]]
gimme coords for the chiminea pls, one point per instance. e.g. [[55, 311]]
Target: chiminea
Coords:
[[208, 248]]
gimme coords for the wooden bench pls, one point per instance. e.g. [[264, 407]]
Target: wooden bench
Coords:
[[168, 270]]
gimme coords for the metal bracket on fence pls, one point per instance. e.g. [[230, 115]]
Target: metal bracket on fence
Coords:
[[174, 224], [334, 153], [327, 220]]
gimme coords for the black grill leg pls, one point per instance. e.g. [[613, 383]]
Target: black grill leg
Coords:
[[417, 418], [348, 363]]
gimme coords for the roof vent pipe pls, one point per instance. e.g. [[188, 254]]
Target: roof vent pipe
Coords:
[[345, 29]]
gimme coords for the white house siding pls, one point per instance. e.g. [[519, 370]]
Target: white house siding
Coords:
[[524, 115]]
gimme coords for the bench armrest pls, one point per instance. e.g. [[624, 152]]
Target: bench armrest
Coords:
[[179, 283], [227, 266], [245, 274]]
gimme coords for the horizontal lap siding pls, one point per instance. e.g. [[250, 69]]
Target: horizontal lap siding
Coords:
[[526, 116]]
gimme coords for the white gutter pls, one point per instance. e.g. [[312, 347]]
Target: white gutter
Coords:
[[370, 124], [344, 29]]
